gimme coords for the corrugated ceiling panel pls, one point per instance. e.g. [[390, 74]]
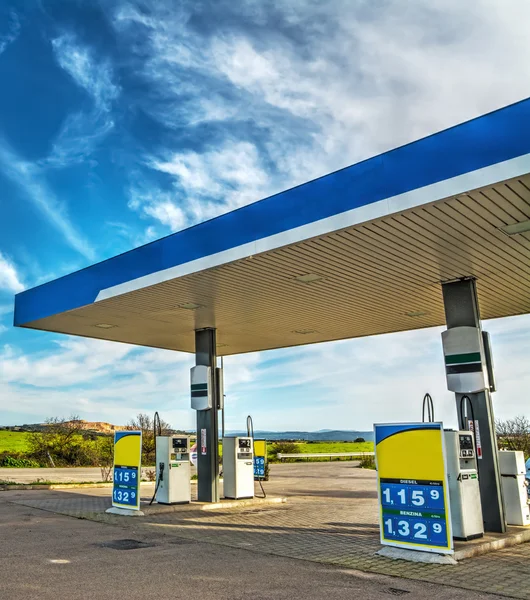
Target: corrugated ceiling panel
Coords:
[[374, 277]]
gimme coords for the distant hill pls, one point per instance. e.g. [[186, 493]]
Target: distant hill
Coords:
[[99, 426], [92, 426], [326, 435]]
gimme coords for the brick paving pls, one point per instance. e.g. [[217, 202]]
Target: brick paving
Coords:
[[330, 517]]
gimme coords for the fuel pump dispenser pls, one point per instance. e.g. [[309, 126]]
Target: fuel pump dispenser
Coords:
[[238, 467], [462, 475], [464, 491], [173, 481], [514, 487]]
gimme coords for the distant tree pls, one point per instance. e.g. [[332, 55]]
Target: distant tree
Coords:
[[145, 424], [514, 434], [359, 440], [103, 455], [62, 442]]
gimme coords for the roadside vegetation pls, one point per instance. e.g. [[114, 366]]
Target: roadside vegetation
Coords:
[[64, 443], [67, 443], [514, 434]]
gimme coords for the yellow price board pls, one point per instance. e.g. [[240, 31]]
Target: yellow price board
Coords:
[[127, 469], [412, 486]]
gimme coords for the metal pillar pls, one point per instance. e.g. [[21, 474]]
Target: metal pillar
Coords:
[[207, 426], [462, 310]]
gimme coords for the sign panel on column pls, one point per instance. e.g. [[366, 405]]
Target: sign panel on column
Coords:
[[412, 487], [127, 469]]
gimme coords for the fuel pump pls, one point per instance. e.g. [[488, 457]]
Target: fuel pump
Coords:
[[514, 487], [238, 467], [172, 463], [173, 469], [464, 491], [462, 474]]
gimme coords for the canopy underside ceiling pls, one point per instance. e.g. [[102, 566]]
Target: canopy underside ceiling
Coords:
[[378, 277]]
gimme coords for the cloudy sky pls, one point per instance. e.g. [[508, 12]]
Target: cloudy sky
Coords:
[[124, 121]]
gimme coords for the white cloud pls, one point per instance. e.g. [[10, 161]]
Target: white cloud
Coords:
[[215, 181], [78, 61], [9, 278], [5, 309], [205, 185], [157, 204], [95, 379], [82, 131], [13, 30], [167, 213], [79, 135], [299, 106], [29, 178], [354, 383]]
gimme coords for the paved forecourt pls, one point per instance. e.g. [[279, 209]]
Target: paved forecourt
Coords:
[[330, 517], [54, 557]]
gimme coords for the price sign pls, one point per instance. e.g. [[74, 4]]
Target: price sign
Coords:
[[260, 459], [259, 467], [126, 475], [413, 497], [127, 469]]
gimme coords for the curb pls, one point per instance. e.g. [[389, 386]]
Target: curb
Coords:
[[58, 486], [51, 486], [65, 486], [206, 506], [514, 536]]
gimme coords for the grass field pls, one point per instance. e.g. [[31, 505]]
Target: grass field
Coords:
[[326, 447], [336, 447], [13, 441]]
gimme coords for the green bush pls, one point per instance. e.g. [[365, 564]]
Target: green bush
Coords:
[[367, 462], [282, 448], [18, 462], [66, 444]]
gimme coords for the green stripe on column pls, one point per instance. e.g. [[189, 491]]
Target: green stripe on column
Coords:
[[458, 359]]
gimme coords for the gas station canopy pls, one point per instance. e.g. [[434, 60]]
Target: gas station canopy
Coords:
[[359, 252]]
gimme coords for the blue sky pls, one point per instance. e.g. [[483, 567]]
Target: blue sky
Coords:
[[124, 121]]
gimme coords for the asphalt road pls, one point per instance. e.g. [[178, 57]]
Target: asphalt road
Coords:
[[56, 475], [52, 557]]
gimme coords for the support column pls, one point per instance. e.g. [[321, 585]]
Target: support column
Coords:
[[462, 310], [207, 426]]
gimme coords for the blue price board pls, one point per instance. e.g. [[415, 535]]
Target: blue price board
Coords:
[[259, 466], [414, 512], [413, 491], [126, 476], [127, 469], [127, 496], [260, 459]]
